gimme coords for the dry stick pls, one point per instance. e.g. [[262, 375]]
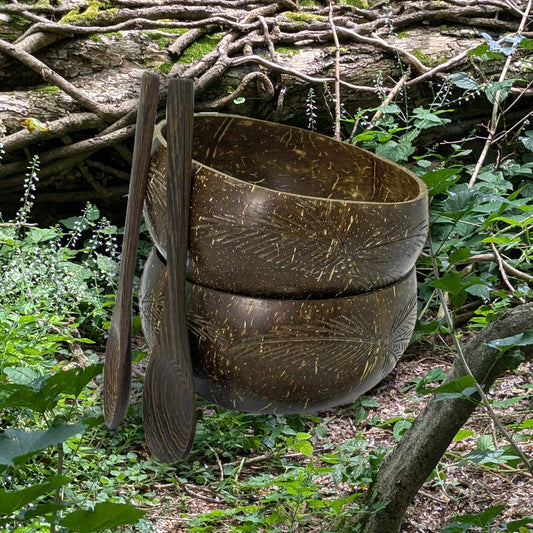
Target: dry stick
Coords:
[[390, 97], [506, 266], [337, 74], [88, 146], [220, 102], [268, 39], [493, 124], [502, 270], [464, 363], [56, 128], [49, 75], [296, 73], [407, 57]]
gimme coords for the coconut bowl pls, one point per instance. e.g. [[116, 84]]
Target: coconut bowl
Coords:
[[278, 211], [286, 356]]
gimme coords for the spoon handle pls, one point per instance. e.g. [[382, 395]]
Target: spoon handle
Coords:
[[169, 405], [117, 371]]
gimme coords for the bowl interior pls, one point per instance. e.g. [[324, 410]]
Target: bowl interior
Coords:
[[297, 161]]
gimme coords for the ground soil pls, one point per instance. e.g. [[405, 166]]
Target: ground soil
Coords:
[[459, 489]]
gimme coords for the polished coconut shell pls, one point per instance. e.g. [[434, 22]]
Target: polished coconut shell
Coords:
[[286, 356], [278, 211]]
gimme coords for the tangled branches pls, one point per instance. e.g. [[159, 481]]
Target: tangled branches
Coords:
[[347, 42]]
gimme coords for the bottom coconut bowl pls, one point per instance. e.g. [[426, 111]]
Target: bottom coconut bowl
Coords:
[[286, 356]]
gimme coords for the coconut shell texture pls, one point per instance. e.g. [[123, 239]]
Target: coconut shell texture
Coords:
[[286, 356], [278, 211]]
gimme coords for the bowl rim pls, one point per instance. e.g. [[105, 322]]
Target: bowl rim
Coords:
[[159, 140], [155, 255]]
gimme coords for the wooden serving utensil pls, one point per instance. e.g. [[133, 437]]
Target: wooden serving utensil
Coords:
[[169, 405], [117, 368]]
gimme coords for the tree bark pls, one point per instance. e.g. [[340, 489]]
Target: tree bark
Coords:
[[422, 446], [254, 58]]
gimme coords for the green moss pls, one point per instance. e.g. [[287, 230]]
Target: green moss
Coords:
[[95, 10], [363, 4], [200, 48], [444, 27], [308, 3], [49, 89], [162, 41], [426, 60], [403, 35], [287, 50], [301, 17], [165, 67]]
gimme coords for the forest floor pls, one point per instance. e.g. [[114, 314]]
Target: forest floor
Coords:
[[460, 487]]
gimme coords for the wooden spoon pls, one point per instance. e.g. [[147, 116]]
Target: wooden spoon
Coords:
[[169, 405], [117, 368]]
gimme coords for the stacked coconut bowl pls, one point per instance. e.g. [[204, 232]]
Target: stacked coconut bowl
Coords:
[[301, 291]]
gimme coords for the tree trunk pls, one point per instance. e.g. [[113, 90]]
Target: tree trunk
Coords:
[[254, 58], [422, 446]]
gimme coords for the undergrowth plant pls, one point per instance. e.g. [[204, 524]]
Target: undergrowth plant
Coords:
[[63, 471]]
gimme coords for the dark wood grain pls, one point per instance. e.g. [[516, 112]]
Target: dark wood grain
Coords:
[[169, 407], [117, 371]]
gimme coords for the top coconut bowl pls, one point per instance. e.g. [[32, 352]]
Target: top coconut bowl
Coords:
[[278, 211]]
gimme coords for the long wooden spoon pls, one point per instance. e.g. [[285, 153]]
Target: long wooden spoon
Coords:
[[169, 405], [117, 368]]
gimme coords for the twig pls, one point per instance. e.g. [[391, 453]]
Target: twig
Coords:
[[296, 73], [506, 266], [194, 494], [337, 121], [502, 270], [49, 75], [56, 128], [464, 363], [220, 102], [388, 100], [493, 124]]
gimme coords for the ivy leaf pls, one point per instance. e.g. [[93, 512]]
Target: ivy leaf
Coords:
[[522, 339], [450, 282], [13, 500], [482, 520], [494, 86], [527, 141], [104, 516], [16, 444], [440, 180], [464, 81]]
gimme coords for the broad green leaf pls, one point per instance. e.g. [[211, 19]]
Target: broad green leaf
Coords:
[[494, 86], [400, 428], [464, 81], [527, 140], [481, 520], [395, 151], [450, 282], [478, 51], [15, 444], [522, 339], [457, 256], [42, 394], [10, 501], [104, 516], [464, 383], [519, 525], [463, 434], [479, 289], [439, 180], [303, 446]]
